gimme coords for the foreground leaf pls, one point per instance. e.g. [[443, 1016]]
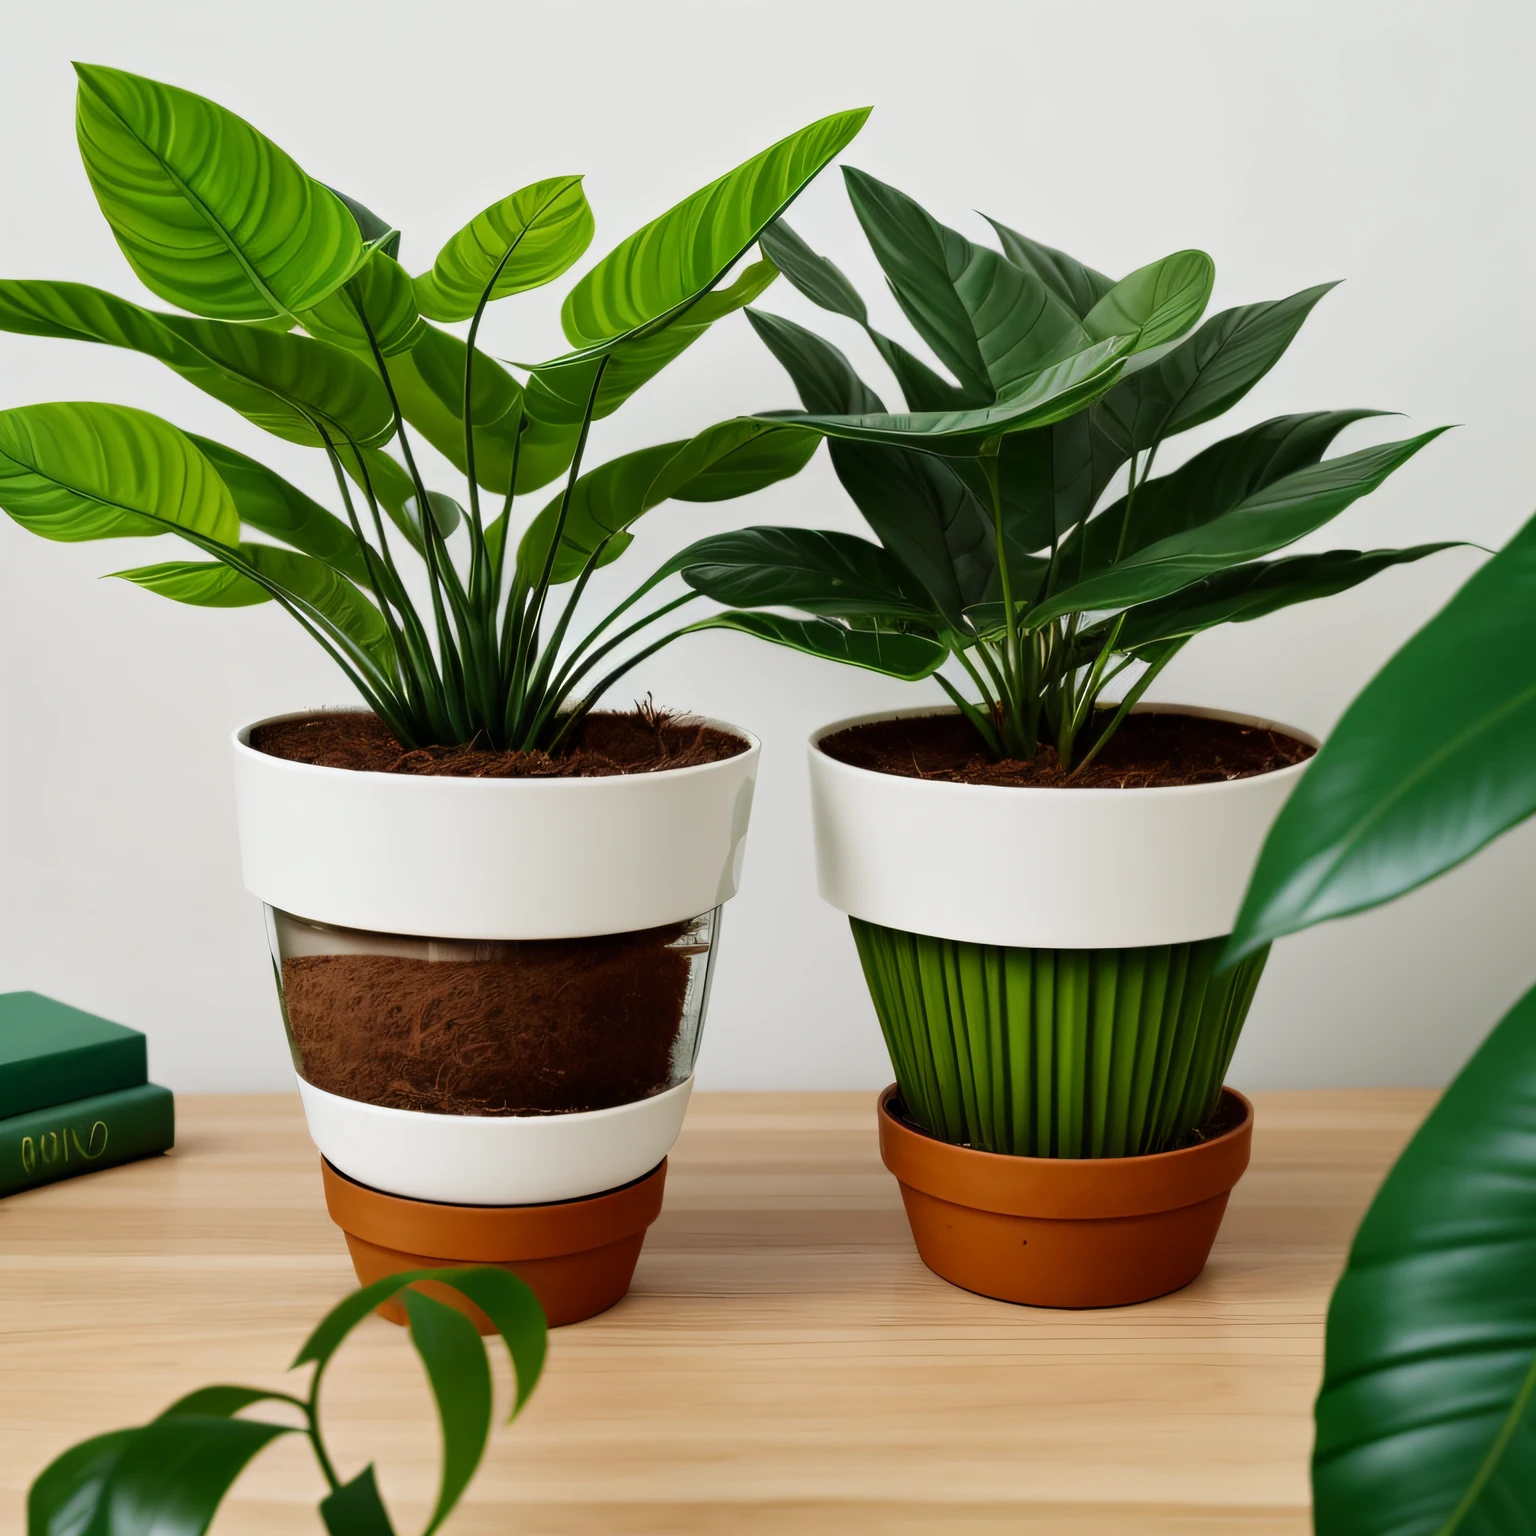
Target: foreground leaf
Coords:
[[521, 242], [681, 255], [356, 1509], [450, 1349], [1434, 759], [210, 213], [65, 1498], [1156, 304], [92, 471], [1426, 1422]]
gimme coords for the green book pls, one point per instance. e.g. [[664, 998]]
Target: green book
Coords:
[[51, 1053], [98, 1132]]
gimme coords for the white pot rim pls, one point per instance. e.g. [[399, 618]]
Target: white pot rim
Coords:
[[1011, 792], [241, 738]]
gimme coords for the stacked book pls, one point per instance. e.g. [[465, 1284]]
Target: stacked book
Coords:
[[75, 1094]]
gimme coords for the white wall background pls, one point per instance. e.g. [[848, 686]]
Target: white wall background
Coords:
[[1390, 143]]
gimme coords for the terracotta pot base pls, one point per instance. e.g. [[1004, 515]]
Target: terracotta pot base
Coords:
[[1064, 1232], [577, 1255]]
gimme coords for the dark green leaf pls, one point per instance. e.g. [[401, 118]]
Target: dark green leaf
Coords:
[[64, 1499], [1249, 592], [521, 242], [355, 1509], [450, 1348], [1155, 304], [1434, 759], [991, 323], [823, 377], [909, 657], [211, 215], [374, 230], [173, 1473], [732, 458], [93, 471], [1426, 1422], [1208, 486], [1077, 286], [830, 574], [819, 279], [221, 1402], [1053, 394], [515, 1313], [267, 502], [1282, 512], [674, 259], [377, 298], [1202, 377]]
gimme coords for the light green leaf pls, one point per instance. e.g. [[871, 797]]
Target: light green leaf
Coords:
[[1434, 759], [211, 215], [202, 583], [379, 293], [1156, 303], [674, 259], [75, 471], [521, 242], [891, 652]]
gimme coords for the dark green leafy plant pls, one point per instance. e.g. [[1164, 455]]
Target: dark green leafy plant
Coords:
[[215, 219], [1425, 1421], [1003, 542], [169, 1476]]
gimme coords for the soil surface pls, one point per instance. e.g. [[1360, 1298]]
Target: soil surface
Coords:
[[603, 746], [542, 1027], [1148, 751]]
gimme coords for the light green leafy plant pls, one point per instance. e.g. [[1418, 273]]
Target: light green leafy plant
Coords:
[[168, 1477], [299, 316], [1008, 540]]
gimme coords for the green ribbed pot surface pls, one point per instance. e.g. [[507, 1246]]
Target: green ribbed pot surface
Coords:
[[1056, 1052]]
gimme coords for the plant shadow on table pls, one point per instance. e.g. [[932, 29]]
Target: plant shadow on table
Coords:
[[169, 1476]]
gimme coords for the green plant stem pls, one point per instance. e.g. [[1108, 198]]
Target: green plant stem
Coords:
[[1015, 737], [978, 720], [539, 683], [1128, 703]]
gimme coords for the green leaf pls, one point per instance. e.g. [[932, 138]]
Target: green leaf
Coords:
[[823, 377], [732, 458], [222, 1401], [830, 574], [1207, 486], [1282, 512], [92, 471], [521, 242], [674, 259], [1426, 1421], [356, 1509], [896, 654], [1156, 303], [604, 502], [820, 280], [279, 382], [265, 501], [558, 391], [1248, 592], [450, 1349], [211, 215], [1078, 287], [516, 1315], [1201, 378], [377, 298], [1052, 394], [173, 1473], [65, 1497], [991, 323], [202, 583], [1434, 759]]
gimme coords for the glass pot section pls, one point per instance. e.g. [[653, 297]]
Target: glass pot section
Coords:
[[504, 1027]]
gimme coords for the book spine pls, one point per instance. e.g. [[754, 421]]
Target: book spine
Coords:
[[84, 1135]]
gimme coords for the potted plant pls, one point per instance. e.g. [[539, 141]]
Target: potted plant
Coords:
[[1425, 1416], [492, 910], [1039, 882]]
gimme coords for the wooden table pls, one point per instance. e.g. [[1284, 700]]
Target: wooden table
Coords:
[[784, 1363]]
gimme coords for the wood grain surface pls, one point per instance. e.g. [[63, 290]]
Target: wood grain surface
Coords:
[[784, 1362]]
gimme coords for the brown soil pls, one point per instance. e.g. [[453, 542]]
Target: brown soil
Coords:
[[1148, 751], [638, 741], [541, 1027]]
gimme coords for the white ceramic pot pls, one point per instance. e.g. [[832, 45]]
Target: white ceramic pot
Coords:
[[1041, 868], [485, 860], [491, 1159]]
